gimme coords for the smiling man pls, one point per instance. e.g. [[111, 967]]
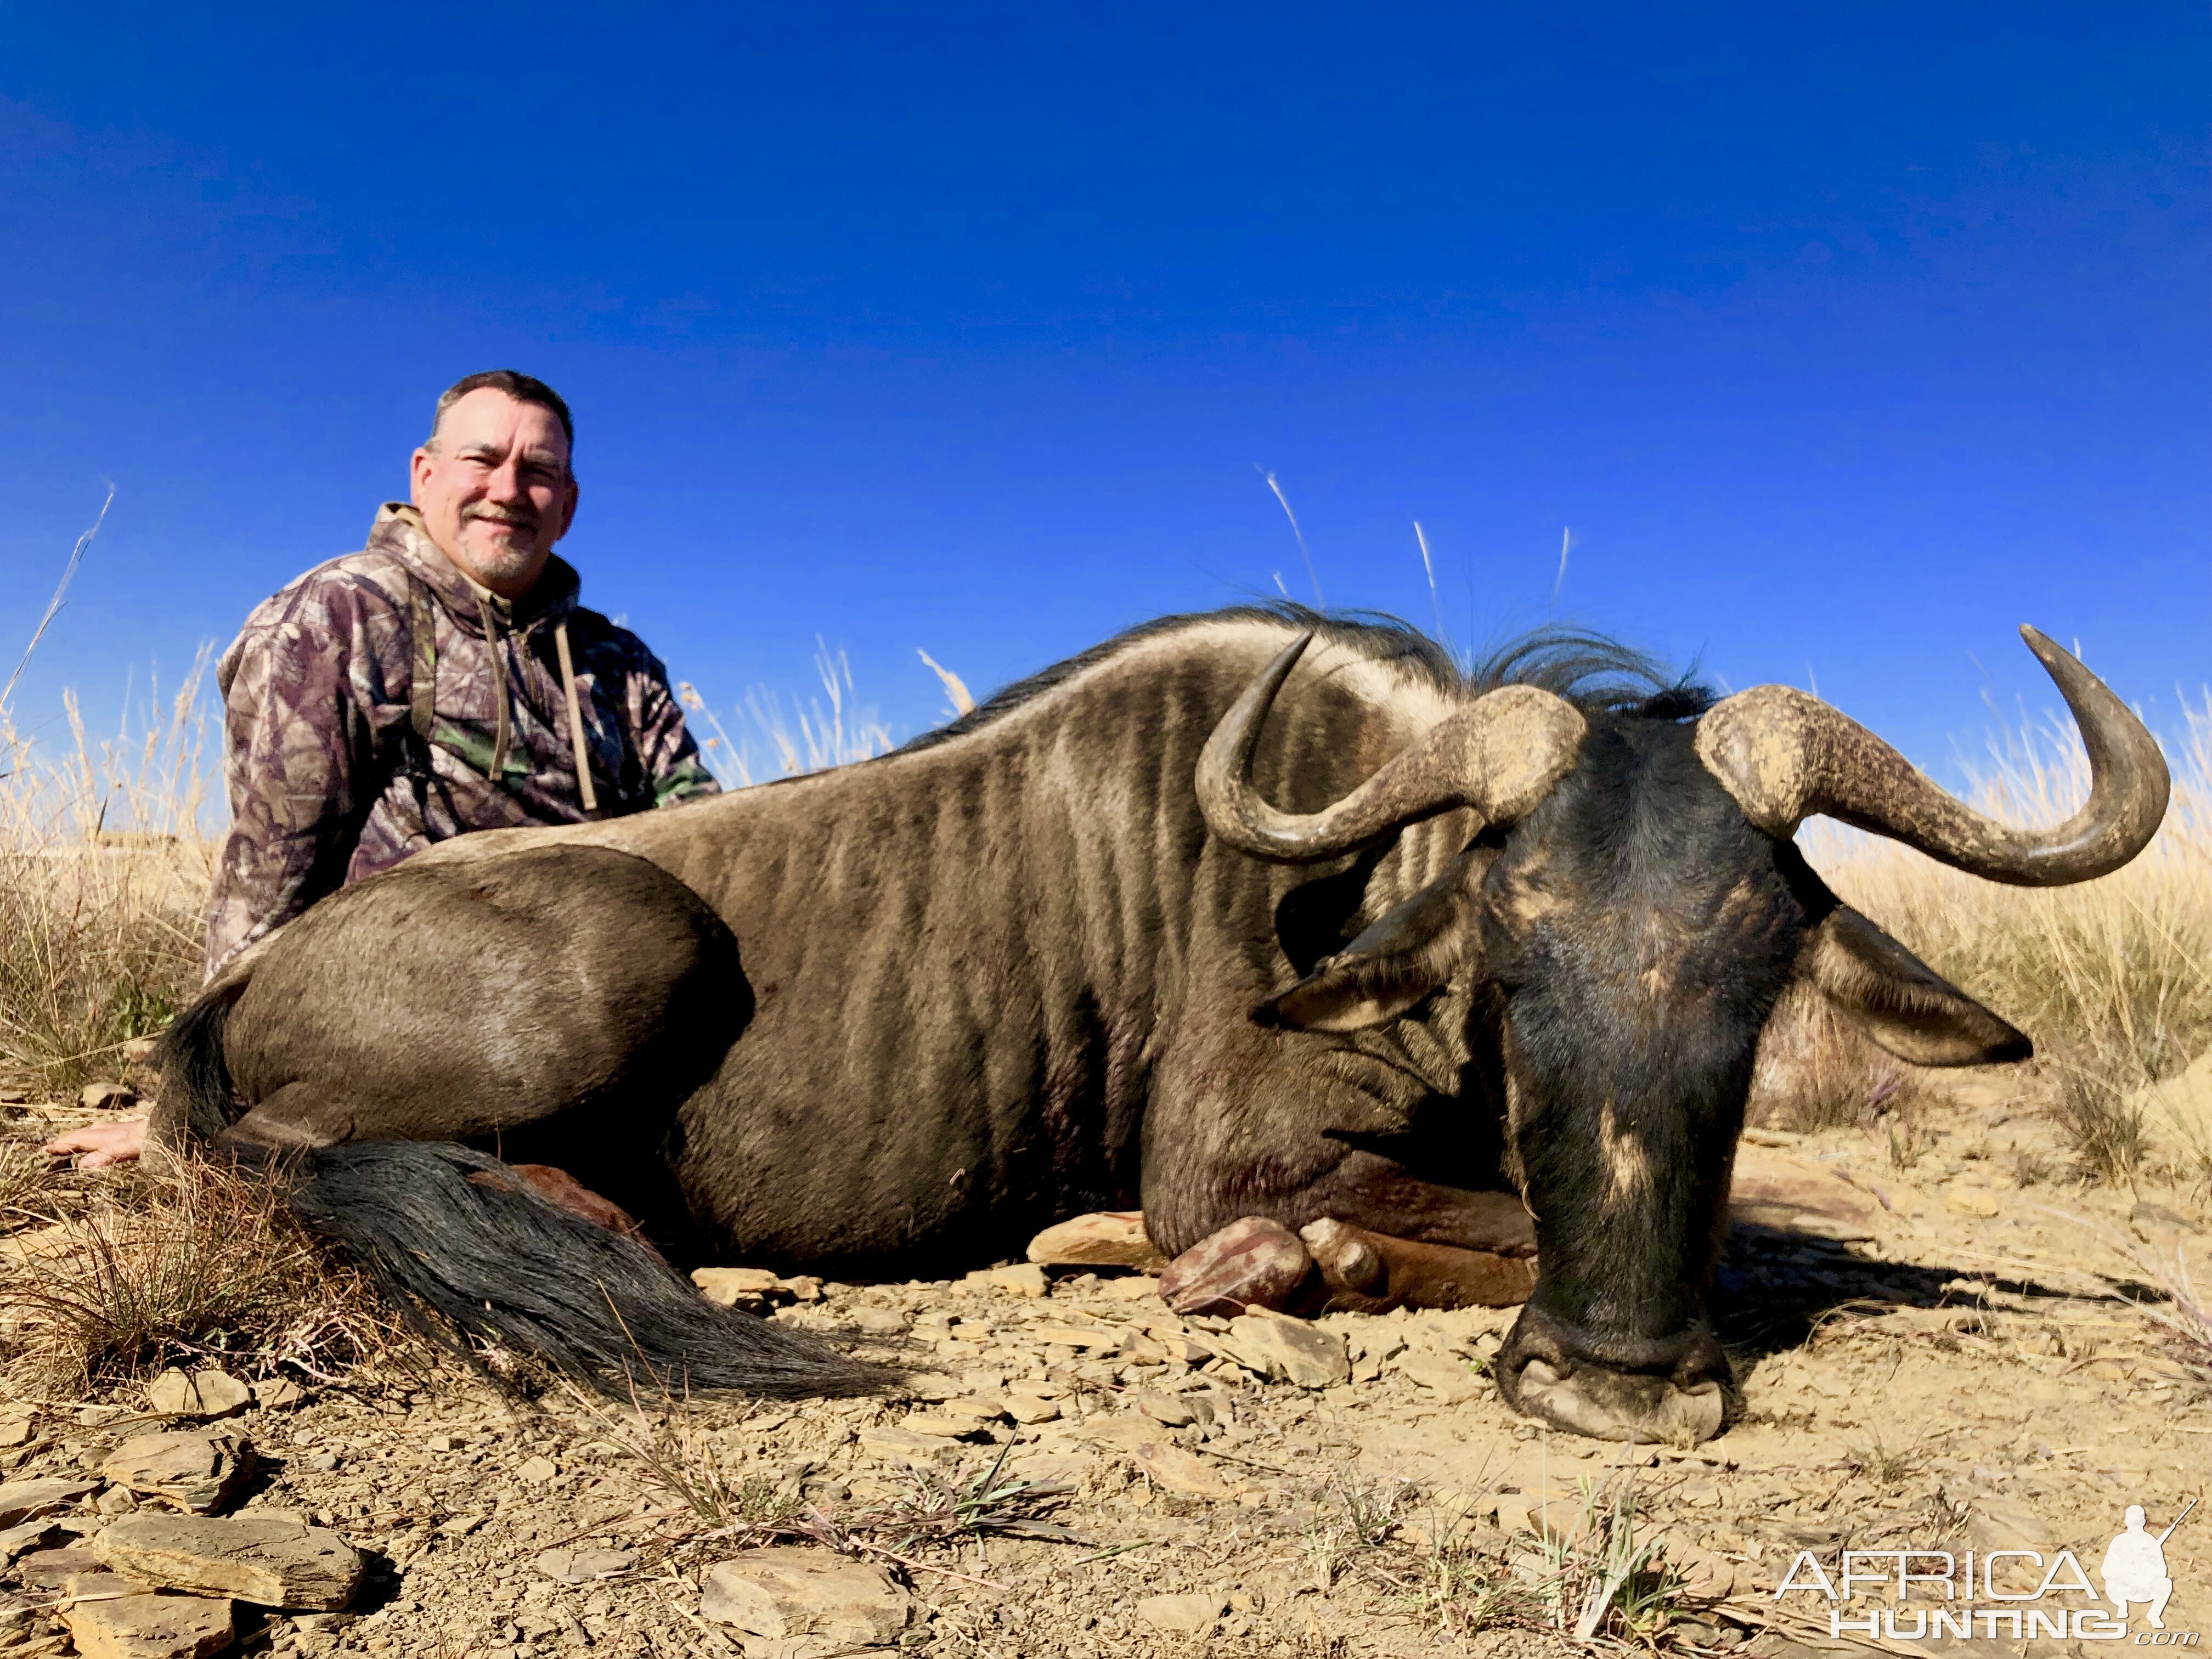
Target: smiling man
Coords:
[[441, 680]]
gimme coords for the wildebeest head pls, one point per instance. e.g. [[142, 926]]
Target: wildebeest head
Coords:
[[1629, 915]]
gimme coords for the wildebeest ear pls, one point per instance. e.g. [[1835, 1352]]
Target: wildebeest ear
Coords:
[[1904, 1005], [1392, 965]]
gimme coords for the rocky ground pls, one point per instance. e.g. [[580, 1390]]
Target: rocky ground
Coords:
[[1973, 1363]]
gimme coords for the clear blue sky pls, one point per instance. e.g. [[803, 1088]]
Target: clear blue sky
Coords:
[[1844, 338]]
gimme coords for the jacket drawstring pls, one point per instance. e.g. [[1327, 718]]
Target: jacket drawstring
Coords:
[[498, 688], [575, 717]]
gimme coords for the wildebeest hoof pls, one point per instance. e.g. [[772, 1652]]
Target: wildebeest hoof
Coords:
[[1250, 1262], [1608, 1405], [1347, 1261]]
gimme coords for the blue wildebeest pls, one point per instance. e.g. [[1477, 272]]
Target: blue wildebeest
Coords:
[[1247, 914]]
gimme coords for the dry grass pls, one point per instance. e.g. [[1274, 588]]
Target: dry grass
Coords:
[[104, 870], [198, 1264]]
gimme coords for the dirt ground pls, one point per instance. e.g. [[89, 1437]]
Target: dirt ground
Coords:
[[1982, 1373]]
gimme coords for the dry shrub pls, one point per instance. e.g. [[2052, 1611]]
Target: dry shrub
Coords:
[[2112, 978], [104, 873], [195, 1263]]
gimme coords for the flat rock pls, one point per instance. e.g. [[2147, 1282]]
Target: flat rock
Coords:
[[804, 1590], [1962, 1198], [1023, 1279], [23, 1536], [1774, 1188], [732, 1287], [1169, 1466], [583, 1566], [197, 1393], [107, 1097], [27, 1500], [1104, 1238], [149, 1626], [196, 1469], [900, 1445], [274, 1562], [49, 1570], [1288, 1350], [1191, 1613], [1451, 1380], [1168, 1409]]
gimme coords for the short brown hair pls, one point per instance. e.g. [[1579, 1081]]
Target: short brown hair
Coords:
[[523, 388]]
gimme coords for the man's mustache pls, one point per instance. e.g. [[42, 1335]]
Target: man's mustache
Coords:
[[499, 515]]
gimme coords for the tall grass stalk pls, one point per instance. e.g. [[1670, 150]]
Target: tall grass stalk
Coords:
[[104, 863]]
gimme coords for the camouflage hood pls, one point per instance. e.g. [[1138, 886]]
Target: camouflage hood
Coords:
[[384, 702]]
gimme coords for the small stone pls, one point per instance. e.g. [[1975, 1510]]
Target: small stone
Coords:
[[583, 1566], [28, 1500], [879, 1321], [537, 1470], [270, 1561], [198, 1469], [1026, 1406], [278, 1393], [116, 1500], [1104, 1238], [17, 1431], [803, 1287], [732, 1287], [1965, 1199], [93, 1417], [201, 1394], [1289, 1351], [899, 1445], [1025, 1279], [1453, 1381], [805, 1591], [107, 1097], [149, 1626], [1163, 1408], [939, 1425], [1136, 1287], [1191, 1613], [1171, 1467], [1075, 1336], [461, 1526]]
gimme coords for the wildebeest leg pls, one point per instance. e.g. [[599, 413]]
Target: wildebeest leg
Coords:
[[551, 1006], [1366, 1271]]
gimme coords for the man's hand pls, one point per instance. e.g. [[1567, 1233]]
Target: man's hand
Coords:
[[115, 1142]]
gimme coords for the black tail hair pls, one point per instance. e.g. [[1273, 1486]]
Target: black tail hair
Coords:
[[451, 1231], [454, 1232]]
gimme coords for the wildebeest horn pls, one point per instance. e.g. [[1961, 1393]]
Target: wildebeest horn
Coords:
[[1500, 756], [1785, 756]]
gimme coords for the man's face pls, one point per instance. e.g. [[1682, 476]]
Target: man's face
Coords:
[[494, 489]]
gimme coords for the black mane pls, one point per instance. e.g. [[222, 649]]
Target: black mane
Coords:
[[1596, 674]]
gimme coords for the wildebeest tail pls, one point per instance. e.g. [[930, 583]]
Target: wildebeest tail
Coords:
[[455, 1232], [196, 1099]]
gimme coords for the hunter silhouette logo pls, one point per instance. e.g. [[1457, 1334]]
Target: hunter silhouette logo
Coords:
[[2015, 1593], [2135, 1566]]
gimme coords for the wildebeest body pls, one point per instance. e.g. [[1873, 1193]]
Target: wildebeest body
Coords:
[[1422, 954], [966, 970]]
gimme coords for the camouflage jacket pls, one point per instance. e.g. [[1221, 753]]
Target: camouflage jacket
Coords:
[[329, 773]]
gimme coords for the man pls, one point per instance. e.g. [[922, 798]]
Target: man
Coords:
[[443, 679]]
